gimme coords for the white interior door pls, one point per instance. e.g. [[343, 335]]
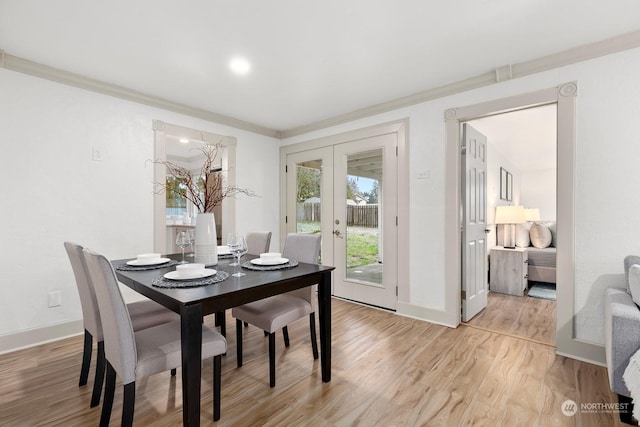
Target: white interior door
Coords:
[[365, 238], [474, 216], [358, 227]]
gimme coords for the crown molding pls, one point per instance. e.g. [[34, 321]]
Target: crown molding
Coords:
[[21, 65], [500, 74], [503, 73]]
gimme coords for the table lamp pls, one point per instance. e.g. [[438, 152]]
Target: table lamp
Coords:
[[532, 215], [509, 216]]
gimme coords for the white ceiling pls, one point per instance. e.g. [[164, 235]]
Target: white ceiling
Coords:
[[311, 60]]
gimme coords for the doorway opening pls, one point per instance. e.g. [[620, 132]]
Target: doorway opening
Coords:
[[565, 98], [521, 171]]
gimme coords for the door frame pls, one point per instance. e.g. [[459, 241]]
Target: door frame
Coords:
[[565, 97], [400, 128]]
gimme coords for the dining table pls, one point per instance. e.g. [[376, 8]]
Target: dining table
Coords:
[[192, 303]]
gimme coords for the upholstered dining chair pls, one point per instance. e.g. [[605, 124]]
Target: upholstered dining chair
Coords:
[[136, 354], [257, 242], [276, 312], [144, 314]]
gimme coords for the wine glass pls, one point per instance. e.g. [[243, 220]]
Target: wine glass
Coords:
[[231, 241], [182, 241], [238, 247], [191, 234]]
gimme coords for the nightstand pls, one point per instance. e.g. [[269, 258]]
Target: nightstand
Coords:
[[508, 271]]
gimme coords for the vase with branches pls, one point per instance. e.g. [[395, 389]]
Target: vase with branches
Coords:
[[205, 191]]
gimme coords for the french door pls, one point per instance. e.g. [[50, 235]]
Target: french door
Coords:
[[348, 193]]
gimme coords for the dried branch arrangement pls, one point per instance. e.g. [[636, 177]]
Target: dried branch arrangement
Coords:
[[205, 193]]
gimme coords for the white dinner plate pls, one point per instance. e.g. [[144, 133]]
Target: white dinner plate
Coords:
[[224, 250], [175, 275], [277, 261], [137, 263]]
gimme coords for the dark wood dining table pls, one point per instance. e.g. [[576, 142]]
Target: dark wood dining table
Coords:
[[194, 303]]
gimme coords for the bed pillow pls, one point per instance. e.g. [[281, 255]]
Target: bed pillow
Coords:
[[634, 283], [540, 236], [522, 235]]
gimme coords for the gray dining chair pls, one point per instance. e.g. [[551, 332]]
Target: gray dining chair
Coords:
[[144, 314], [257, 242], [136, 354], [276, 312]]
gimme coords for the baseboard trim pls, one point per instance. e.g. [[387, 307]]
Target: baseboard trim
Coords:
[[439, 317], [33, 337]]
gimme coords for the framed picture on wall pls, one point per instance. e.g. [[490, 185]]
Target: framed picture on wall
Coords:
[[503, 184], [509, 187]]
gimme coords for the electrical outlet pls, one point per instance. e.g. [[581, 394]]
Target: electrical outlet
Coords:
[[423, 174], [55, 299]]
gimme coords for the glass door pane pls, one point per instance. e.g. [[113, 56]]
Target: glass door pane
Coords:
[[364, 217], [308, 196]]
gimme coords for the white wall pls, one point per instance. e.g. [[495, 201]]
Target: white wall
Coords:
[[539, 191], [495, 161], [52, 191], [607, 226]]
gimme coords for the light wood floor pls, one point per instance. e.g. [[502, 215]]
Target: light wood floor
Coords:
[[527, 317], [387, 370]]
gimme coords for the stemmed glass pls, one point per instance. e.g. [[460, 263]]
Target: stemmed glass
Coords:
[[191, 235], [182, 241], [238, 247]]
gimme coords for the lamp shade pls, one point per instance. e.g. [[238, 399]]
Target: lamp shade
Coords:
[[532, 214], [510, 215]]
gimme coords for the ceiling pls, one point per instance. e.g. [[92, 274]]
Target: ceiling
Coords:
[[310, 60]]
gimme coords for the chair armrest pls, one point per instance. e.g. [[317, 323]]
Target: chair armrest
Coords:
[[622, 335]]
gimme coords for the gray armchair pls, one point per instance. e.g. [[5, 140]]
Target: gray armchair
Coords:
[[622, 335]]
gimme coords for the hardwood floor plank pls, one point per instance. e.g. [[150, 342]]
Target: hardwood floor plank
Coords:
[[387, 370]]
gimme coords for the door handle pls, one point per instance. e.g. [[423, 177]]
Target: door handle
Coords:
[[337, 233]]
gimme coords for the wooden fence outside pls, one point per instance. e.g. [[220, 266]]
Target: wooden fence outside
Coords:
[[358, 216]]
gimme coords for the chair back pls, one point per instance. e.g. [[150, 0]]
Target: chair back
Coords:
[[119, 339], [303, 248], [88, 301], [258, 242]]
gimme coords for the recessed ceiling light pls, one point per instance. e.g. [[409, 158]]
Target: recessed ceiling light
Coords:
[[239, 65], [184, 140]]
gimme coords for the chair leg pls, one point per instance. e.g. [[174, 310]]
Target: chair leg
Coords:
[[312, 330], [285, 335], [272, 359], [99, 378], [173, 372], [128, 404], [239, 342], [86, 358], [217, 368], [223, 323], [109, 390], [266, 334]]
